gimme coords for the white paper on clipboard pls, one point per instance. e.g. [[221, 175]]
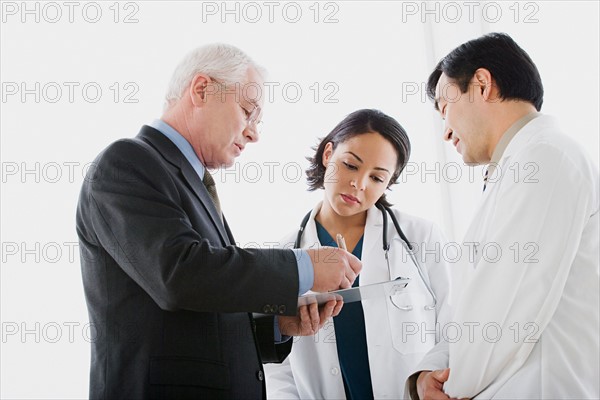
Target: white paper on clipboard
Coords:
[[359, 293]]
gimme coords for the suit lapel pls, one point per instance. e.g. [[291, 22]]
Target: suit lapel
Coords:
[[229, 234], [171, 153]]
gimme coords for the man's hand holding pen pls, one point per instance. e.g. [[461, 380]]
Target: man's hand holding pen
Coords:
[[335, 268]]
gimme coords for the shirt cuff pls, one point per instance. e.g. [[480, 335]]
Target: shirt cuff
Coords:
[[277, 336], [306, 272]]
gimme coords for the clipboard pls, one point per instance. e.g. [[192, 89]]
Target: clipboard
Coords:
[[350, 295]]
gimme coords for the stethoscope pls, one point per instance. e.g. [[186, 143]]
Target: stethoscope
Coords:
[[386, 248]]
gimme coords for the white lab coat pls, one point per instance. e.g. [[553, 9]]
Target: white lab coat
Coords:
[[396, 339], [541, 304]]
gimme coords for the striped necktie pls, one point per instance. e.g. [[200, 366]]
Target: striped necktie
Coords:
[[209, 183]]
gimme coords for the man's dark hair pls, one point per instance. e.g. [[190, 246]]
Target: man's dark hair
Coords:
[[358, 123], [514, 72]]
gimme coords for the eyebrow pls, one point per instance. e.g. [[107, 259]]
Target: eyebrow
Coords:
[[360, 159]]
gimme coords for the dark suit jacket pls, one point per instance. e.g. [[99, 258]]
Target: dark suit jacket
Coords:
[[168, 294]]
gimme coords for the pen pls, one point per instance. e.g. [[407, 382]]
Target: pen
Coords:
[[341, 242]]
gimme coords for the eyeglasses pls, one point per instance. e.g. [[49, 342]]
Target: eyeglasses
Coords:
[[252, 118], [251, 115]]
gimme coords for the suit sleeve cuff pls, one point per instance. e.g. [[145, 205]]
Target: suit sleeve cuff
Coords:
[[411, 384]]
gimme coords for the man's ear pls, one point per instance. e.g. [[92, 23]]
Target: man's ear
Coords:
[[327, 153], [198, 89], [485, 84]]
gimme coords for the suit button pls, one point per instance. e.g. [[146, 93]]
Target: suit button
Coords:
[[260, 376], [281, 309], [335, 371], [273, 309], [267, 309]]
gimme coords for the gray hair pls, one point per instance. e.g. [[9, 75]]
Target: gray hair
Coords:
[[223, 62]]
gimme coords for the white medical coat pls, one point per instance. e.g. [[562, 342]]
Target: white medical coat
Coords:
[[529, 319], [396, 339]]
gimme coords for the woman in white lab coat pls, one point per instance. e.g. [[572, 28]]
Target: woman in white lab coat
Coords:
[[369, 349]]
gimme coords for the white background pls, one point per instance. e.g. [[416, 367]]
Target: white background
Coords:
[[358, 54]]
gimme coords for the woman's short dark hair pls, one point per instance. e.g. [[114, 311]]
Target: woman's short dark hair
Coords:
[[514, 72], [358, 123]]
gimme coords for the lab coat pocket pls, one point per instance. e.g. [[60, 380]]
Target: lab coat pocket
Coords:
[[412, 327]]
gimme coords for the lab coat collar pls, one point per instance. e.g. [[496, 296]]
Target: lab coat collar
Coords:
[[373, 230], [309, 236], [525, 134], [519, 140]]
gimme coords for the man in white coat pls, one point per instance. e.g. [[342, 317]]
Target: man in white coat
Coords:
[[526, 323]]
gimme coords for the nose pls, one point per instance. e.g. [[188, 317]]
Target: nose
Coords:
[[447, 133], [251, 133], [359, 182]]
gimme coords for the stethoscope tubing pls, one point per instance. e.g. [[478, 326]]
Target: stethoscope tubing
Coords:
[[408, 248]]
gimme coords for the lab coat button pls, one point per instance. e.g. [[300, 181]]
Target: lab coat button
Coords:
[[281, 309], [267, 309], [335, 371], [260, 376]]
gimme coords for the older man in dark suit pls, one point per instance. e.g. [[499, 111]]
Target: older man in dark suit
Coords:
[[169, 294]]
